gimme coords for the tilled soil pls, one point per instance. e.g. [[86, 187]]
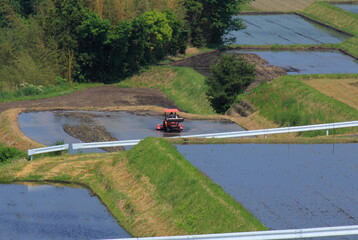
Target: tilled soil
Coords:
[[202, 62], [103, 96], [88, 129]]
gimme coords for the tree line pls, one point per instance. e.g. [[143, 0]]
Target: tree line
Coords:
[[72, 39]]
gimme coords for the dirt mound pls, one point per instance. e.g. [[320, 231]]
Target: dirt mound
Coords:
[[88, 129], [201, 63]]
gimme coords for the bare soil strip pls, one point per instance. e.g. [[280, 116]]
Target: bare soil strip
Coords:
[[98, 97]]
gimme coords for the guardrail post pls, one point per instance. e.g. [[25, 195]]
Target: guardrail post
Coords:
[[327, 132]]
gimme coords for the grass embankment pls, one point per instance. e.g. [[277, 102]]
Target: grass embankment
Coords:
[[151, 189], [290, 102], [184, 86], [339, 18]]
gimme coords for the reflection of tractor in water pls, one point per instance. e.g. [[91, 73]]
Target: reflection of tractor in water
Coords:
[[171, 121]]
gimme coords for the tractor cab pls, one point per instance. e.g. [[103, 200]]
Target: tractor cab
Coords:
[[171, 121]]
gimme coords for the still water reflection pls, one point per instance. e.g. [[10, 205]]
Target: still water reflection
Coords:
[[51, 212], [286, 186]]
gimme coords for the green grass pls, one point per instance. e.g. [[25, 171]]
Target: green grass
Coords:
[[184, 86], [184, 198], [198, 205], [35, 92], [339, 18], [289, 102], [8, 154]]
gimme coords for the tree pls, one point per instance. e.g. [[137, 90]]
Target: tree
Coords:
[[209, 20], [230, 76]]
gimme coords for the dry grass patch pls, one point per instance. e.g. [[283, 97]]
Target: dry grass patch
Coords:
[[344, 90], [10, 133], [284, 5], [281, 5]]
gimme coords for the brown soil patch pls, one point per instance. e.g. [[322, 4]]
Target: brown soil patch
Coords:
[[202, 62], [98, 97], [344, 90], [88, 129]]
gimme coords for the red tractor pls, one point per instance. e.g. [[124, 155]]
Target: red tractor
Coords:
[[171, 121]]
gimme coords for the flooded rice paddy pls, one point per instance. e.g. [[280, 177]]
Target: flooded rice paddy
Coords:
[[42, 212], [48, 126], [286, 186], [308, 62], [283, 29], [348, 7]]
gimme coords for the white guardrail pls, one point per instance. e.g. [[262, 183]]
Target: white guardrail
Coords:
[[55, 148], [75, 146], [266, 235]]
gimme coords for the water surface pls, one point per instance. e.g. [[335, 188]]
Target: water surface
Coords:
[[349, 7], [286, 186], [308, 62], [283, 29], [54, 212], [46, 127]]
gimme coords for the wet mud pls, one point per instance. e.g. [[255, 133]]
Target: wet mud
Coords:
[[75, 126], [264, 70], [88, 129]]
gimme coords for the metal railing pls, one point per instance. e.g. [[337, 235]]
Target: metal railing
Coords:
[[327, 127], [55, 148], [266, 235]]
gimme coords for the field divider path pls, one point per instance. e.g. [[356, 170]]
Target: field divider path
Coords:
[[78, 146]]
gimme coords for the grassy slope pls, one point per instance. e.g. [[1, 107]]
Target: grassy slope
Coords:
[[339, 18], [289, 101], [184, 86], [151, 189], [199, 205]]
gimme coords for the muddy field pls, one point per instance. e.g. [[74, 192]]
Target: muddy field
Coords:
[[202, 62], [99, 97]]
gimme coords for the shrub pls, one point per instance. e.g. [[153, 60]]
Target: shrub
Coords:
[[231, 76], [10, 153]]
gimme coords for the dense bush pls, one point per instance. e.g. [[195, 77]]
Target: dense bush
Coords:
[[209, 20], [9, 153], [230, 77], [76, 40]]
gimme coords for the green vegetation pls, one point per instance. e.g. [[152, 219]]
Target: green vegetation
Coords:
[[184, 86], [32, 92], [166, 194], [209, 20], [289, 102], [198, 205], [100, 41], [230, 76], [339, 18], [9, 153]]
